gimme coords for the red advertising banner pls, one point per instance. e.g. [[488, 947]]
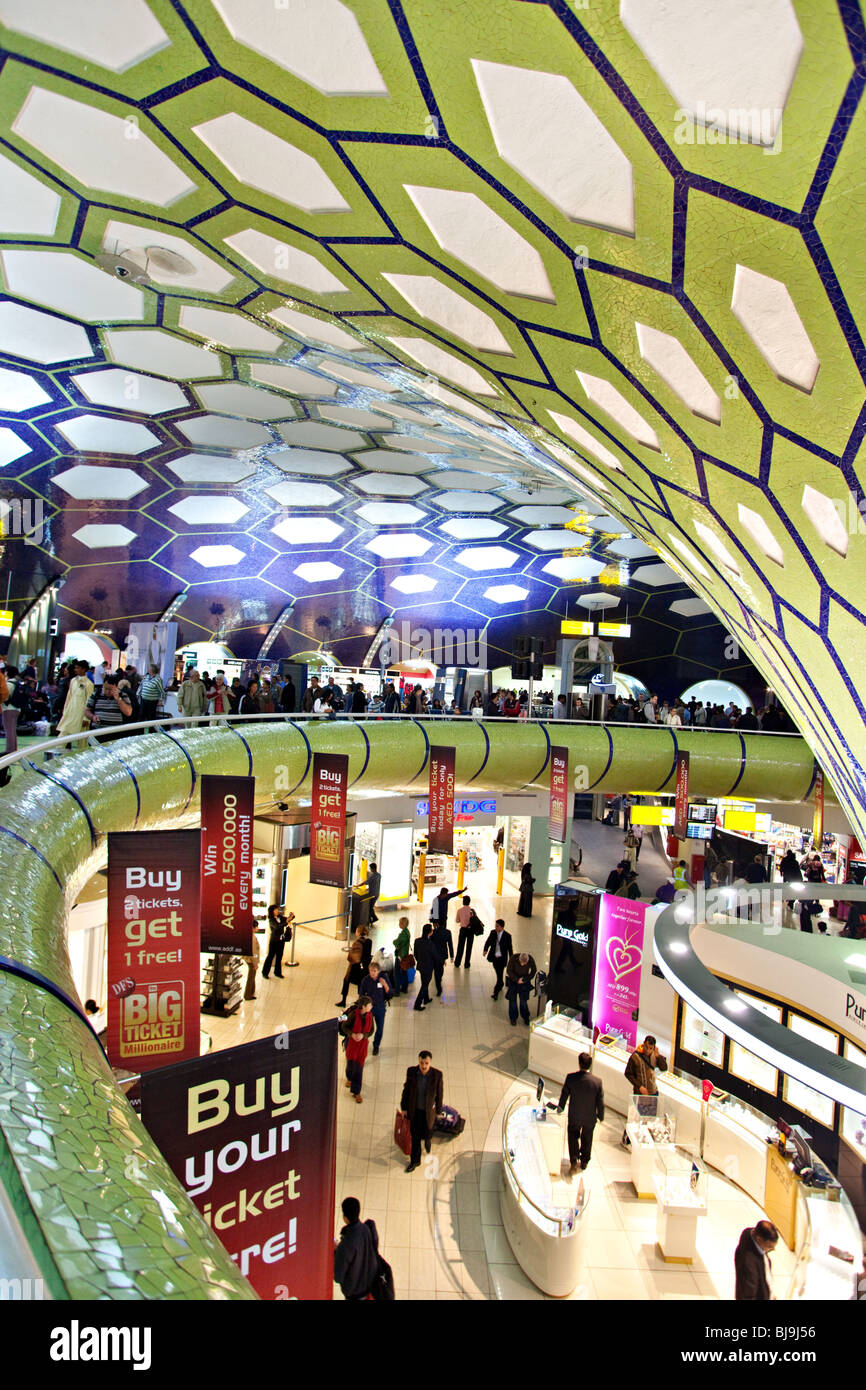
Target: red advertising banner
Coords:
[[328, 819], [251, 1134], [440, 824], [681, 805], [154, 923], [558, 794], [618, 959], [227, 807], [818, 817], [707, 1089]]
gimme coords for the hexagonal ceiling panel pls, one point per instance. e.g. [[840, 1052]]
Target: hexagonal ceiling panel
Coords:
[[587, 252]]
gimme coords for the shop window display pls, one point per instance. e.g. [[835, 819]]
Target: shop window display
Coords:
[[743, 1063], [700, 1038]]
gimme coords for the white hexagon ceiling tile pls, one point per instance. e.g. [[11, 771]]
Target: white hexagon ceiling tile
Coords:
[[326, 271]]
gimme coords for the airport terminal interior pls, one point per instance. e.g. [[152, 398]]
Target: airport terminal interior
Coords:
[[432, 549]]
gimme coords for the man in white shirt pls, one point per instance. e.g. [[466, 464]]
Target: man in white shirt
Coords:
[[560, 709], [466, 934]]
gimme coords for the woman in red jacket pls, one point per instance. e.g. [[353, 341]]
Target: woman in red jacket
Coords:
[[357, 1044]]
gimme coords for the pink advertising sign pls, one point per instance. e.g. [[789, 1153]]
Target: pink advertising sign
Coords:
[[618, 958]]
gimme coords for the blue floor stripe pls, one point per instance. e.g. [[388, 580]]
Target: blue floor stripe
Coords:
[[39, 855], [543, 729], [742, 763], [179, 745], [673, 735], [486, 751], [247, 746], [94, 838], [609, 759], [303, 778], [426, 750], [363, 731]]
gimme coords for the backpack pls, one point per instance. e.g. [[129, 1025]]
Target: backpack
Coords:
[[347, 1024]]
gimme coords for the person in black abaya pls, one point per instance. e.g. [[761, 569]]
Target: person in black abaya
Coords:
[[524, 905]]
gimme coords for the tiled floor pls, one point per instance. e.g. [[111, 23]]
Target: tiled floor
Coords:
[[440, 1226]]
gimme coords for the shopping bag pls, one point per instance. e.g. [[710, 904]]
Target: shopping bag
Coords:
[[402, 1132], [410, 975]]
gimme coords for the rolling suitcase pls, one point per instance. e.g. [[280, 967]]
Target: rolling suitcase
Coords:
[[449, 1121]]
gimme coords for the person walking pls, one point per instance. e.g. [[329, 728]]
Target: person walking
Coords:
[[77, 697], [629, 853], [524, 902], [151, 693], [584, 1094], [443, 945], [361, 1023], [791, 873], [754, 1272], [637, 832], [401, 944], [192, 696], [356, 1262], [374, 883], [421, 1102], [617, 877], [465, 933], [375, 987], [252, 963], [425, 961], [498, 949], [439, 906], [518, 982], [357, 961], [280, 933]]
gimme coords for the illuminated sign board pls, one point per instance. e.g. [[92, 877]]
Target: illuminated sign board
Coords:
[[573, 627], [461, 808], [614, 629]]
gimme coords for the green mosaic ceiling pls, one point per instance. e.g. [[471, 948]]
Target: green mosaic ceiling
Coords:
[[612, 247]]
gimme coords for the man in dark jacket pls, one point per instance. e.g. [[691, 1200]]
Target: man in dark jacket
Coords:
[[421, 1101], [443, 944], [585, 1095], [355, 1262], [374, 883], [518, 982], [752, 1263], [288, 697], [425, 960], [640, 1073], [439, 906], [498, 950]]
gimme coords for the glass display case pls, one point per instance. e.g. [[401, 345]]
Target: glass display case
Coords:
[[652, 1124], [681, 1197], [542, 1213], [681, 1181], [562, 1022]]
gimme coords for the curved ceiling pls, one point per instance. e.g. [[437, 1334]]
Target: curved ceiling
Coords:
[[603, 249]]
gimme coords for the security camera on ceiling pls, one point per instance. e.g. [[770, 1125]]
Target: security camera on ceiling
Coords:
[[140, 264]]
